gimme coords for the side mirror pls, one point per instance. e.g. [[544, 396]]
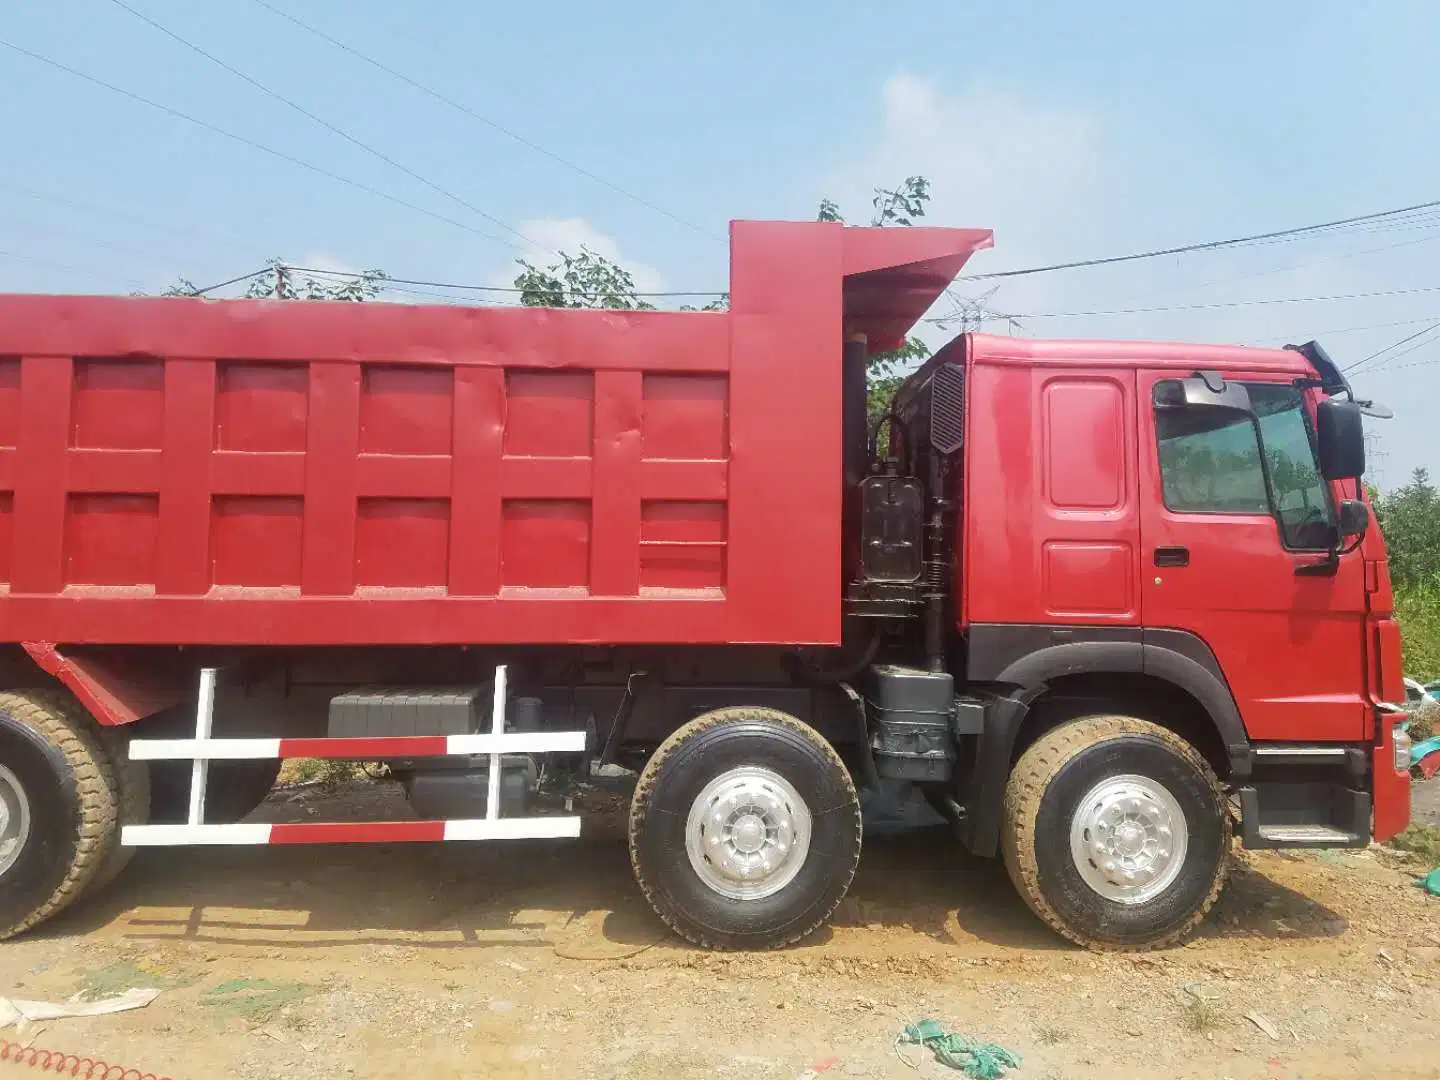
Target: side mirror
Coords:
[[1354, 518], [1341, 435]]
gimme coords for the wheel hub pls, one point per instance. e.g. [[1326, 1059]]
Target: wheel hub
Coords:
[[14, 819], [1128, 839], [748, 833]]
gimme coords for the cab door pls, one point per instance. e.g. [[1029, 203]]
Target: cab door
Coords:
[[1236, 527]]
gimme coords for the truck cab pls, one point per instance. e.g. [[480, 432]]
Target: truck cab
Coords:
[[1174, 534]]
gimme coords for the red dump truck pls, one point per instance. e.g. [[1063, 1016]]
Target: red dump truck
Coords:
[[1103, 602]]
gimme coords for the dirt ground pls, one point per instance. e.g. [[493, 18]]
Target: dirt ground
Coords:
[[541, 960]]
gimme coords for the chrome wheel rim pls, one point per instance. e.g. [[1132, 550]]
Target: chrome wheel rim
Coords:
[[14, 819], [1128, 839], [748, 833]]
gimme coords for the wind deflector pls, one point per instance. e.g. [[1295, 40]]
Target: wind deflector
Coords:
[[894, 275]]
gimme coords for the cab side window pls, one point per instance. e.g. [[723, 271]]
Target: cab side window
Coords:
[[1221, 461], [1210, 462]]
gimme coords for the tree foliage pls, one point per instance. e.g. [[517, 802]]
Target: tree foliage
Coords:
[[1410, 518], [586, 280]]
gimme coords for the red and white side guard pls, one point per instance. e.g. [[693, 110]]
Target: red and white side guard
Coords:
[[202, 749]]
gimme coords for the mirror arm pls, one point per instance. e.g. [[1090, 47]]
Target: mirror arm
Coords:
[[1329, 566]]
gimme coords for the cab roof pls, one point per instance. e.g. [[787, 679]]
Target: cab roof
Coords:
[[997, 348]]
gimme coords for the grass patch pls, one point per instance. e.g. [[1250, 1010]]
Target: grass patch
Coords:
[[1420, 840], [116, 978], [1050, 1036], [327, 775], [1201, 1016], [255, 1000]]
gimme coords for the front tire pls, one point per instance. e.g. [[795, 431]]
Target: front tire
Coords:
[[59, 805], [744, 830], [1116, 833]]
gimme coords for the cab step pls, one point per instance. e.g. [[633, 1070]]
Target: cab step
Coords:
[[1296, 810], [1308, 836]]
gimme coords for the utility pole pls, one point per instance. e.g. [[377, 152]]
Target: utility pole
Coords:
[[1375, 455]]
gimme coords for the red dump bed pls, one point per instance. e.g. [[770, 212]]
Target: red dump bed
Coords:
[[190, 471]]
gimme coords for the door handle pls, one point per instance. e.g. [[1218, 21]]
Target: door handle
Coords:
[[1172, 556]]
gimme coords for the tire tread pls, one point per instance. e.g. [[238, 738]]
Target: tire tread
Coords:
[[134, 808], [645, 792], [1028, 782], [58, 719]]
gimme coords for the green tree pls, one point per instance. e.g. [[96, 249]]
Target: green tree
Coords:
[[1409, 516], [586, 280]]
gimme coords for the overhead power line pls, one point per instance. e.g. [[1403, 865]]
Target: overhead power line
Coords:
[[253, 144], [70, 268], [481, 288], [1338, 257], [1413, 364], [487, 121], [360, 143], [233, 281], [1225, 304], [1390, 349], [1210, 245], [125, 215], [1357, 329]]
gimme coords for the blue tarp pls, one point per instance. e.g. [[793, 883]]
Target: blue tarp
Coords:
[[1423, 749]]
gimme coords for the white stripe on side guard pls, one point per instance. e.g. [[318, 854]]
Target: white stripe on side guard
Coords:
[[176, 835], [535, 828]]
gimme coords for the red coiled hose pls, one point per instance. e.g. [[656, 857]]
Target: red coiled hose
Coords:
[[52, 1061]]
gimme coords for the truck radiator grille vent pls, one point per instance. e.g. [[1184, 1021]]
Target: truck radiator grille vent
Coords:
[[947, 408]]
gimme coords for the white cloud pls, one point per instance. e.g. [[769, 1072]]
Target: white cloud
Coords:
[[1066, 180], [994, 160], [1057, 182], [549, 236], [319, 260]]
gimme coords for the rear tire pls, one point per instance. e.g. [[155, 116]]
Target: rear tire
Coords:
[[133, 778], [1116, 833], [61, 803], [744, 830]]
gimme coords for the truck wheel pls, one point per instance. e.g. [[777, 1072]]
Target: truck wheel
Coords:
[[59, 799], [744, 830], [233, 789], [1116, 833], [134, 780]]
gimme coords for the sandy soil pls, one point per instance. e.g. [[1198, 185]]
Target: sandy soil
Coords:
[[541, 960]]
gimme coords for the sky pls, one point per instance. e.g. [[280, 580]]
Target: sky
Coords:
[[640, 130]]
